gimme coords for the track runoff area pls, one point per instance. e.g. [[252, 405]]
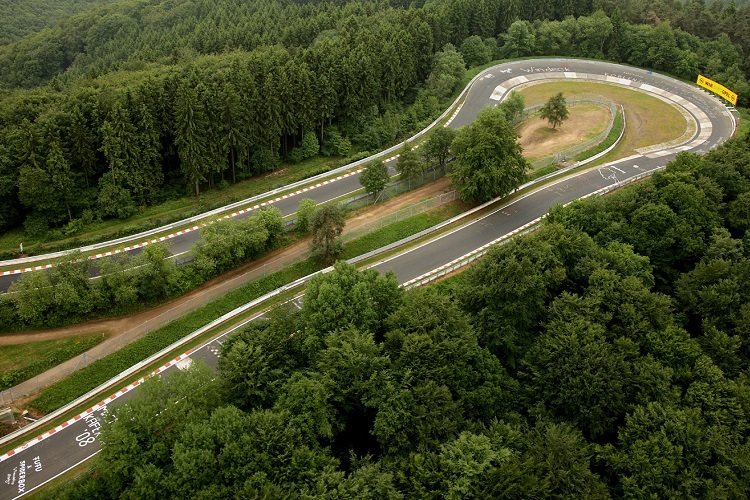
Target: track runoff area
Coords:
[[45, 457]]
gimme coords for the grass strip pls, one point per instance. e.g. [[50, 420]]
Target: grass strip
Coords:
[[25, 361], [80, 382], [400, 230], [744, 122], [608, 141]]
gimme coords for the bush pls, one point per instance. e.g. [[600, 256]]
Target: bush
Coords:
[[305, 212], [334, 144], [35, 225], [310, 146], [295, 155]]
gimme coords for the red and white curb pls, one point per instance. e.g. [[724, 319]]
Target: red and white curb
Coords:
[[453, 116], [99, 406], [197, 227]]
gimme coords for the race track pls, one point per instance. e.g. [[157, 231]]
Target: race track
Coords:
[[51, 454]]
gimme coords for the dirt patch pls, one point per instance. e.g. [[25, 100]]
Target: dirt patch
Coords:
[[277, 173], [649, 119], [137, 324], [585, 122]]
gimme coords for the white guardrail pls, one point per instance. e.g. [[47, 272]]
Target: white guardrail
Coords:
[[248, 201], [526, 228]]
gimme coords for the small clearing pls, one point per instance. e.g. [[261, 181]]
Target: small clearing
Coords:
[[539, 140]]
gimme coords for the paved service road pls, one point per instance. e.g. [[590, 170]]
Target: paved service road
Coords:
[[53, 453]]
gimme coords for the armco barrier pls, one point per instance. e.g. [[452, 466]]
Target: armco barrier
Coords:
[[453, 108], [525, 229]]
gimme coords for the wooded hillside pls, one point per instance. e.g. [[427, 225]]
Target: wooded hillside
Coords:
[[606, 355], [22, 18], [132, 103]]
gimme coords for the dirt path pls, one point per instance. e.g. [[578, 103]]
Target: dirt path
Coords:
[[139, 324]]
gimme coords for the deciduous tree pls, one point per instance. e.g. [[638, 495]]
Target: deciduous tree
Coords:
[[327, 225], [488, 161], [375, 178], [555, 110]]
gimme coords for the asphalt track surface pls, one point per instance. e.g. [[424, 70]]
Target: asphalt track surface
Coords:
[[51, 454]]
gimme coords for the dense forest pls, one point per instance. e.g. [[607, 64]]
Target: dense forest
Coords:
[[605, 355], [130, 103], [21, 18]]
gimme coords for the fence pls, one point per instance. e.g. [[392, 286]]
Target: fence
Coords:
[[402, 214], [262, 269], [563, 156]]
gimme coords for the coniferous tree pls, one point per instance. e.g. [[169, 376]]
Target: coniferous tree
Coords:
[[190, 135]]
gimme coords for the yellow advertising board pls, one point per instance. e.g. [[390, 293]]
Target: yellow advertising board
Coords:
[[718, 89]]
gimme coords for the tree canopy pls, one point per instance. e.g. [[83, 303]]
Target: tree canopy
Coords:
[[585, 360], [488, 160], [555, 110]]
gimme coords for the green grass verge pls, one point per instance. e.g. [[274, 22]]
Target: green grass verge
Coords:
[[608, 141], [79, 383], [664, 122], [541, 172], [400, 230], [744, 127], [24, 361]]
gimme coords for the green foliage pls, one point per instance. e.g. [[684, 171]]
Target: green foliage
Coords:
[[310, 146], [513, 106], [410, 164], [437, 146], [555, 110], [375, 178], [475, 52], [488, 161], [447, 72], [305, 212], [326, 225], [227, 243], [23, 18]]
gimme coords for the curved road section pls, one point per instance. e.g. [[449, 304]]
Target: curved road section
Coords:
[[489, 87], [714, 125], [54, 452]]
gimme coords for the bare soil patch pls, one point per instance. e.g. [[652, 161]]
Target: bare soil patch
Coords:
[[540, 140], [649, 120]]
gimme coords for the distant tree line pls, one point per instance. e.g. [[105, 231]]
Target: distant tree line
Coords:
[[21, 18], [606, 355], [129, 103]]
